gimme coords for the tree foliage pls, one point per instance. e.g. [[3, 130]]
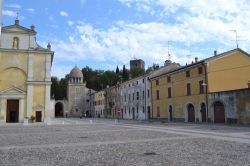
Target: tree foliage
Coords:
[[99, 79], [59, 88], [94, 79], [136, 72], [125, 74]]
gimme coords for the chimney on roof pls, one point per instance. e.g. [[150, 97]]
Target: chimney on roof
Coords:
[[196, 59], [167, 63], [215, 52]]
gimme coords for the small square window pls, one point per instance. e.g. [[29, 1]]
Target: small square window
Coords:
[[201, 87]]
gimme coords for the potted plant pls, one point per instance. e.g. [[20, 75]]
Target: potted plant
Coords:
[[32, 117]]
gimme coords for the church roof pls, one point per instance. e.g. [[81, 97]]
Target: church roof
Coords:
[[75, 72]]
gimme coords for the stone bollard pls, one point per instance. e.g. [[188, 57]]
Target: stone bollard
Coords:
[[26, 122], [91, 121], [63, 122], [116, 121], [48, 121]]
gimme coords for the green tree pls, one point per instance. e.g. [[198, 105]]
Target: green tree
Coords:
[[55, 89], [63, 84], [125, 74], [117, 70], [136, 72], [59, 88], [99, 79]]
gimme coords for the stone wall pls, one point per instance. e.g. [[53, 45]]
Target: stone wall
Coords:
[[236, 104]]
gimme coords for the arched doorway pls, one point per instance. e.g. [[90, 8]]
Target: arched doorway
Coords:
[[203, 112], [170, 113], [149, 113], [59, 110], [191, 113], [219, 112]]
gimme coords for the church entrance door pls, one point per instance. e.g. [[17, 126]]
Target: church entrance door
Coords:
[[12, 111], [38, 116]]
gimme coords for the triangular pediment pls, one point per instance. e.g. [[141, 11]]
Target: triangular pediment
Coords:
[[12, 90], [17, 29]]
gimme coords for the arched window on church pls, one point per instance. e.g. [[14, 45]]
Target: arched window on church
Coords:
[[15, 43]]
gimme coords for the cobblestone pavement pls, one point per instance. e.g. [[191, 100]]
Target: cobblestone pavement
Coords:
[[110, 143]]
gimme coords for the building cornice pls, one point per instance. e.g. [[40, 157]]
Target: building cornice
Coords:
[[27, 51], [38, 82]]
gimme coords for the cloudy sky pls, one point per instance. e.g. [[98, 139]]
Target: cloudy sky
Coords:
[[105, 33]]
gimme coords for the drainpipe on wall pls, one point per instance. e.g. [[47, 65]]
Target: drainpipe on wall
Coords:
[[151, 95], [206, 81]]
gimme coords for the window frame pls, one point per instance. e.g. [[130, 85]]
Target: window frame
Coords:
[[200, 70], [188, 73], [188, 89], [169, 92], [156, 82]]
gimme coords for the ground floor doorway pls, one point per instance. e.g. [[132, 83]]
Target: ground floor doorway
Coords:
[[58, 110], [203, 112], [170, 113], [12, 113], [219, 112], [149, 113], [191, 113], [38, 116]]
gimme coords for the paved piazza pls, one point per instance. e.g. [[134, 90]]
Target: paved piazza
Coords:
[[104, 142]]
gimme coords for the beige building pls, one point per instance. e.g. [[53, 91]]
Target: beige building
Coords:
[[99, 102], [25, 75]]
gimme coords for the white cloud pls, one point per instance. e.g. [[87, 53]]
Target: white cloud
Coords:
[[31, 10], [14, 5], [64, 14], [70, 23], [199, 28], [9, 13]]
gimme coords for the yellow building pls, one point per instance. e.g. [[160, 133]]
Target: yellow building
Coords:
[[99, 102], [25, 75], [177, 90], [182, 94]]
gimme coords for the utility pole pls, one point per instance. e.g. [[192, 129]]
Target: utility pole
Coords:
[[169, 55], [236, 37]]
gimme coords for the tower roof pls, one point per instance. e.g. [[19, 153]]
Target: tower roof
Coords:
[[76, 72]]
